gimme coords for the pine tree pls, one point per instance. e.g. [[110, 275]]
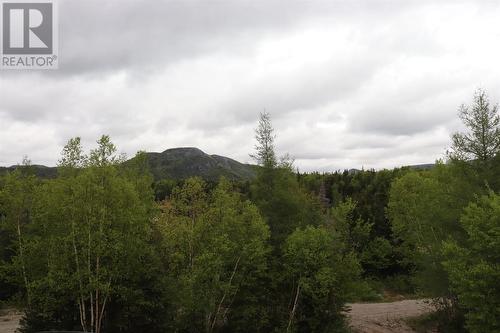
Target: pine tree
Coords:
[[482, 140], [264, 134]]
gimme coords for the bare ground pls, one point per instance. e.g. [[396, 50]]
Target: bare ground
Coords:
[[9, 321], [386, 317]]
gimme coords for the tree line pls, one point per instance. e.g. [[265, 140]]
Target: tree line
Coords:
[[103, 248]]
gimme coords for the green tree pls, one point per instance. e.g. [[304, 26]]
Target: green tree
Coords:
[[372, 252], [474, 265], [353, 232], [89, 237], [16, 207], [321, 277], [72, 156], [265, 154], [215, 246], [482, 140], [276, 191], [422, 212], [425, 209], [163, 188]]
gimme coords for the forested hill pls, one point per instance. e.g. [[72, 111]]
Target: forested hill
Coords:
[[182, 163], [41, 171], [178, 163]]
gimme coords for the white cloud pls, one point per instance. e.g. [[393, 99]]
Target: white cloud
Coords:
[[349, 84]]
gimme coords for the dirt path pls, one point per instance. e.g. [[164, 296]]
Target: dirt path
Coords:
[[9, 321], [385, 317]]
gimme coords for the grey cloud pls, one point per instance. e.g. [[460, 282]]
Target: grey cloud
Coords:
[[112, 35], [282, 94], [99, 36], [378, 86]]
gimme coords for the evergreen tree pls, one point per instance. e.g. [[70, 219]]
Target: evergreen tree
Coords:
[[482, 140], [264, 149]]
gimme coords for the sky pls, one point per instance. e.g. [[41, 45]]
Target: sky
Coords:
[[348, 84]]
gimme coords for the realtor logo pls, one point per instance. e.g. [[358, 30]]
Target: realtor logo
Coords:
[[29, 35]]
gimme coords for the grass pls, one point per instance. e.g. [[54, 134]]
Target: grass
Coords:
[[391, 289]]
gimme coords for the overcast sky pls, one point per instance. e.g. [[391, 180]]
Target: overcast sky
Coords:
[[348, 84]]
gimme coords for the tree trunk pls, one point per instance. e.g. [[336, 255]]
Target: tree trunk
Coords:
[[81, 300], [294, 308], [214, 320], [21, 255]]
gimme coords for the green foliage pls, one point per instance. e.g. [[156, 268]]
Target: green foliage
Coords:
[[81, 238], [16, 200], [215, 248], [264, 149], [481, 142], [474, 265], [163, 188], [424, 208], [284, 204], [369, 190], [373, 253], [426, 211], [322, 277], [353, 232]]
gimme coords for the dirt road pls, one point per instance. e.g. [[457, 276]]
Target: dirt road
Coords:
[[9, 321], [385, 317]]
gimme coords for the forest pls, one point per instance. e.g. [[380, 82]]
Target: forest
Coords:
[[103, 247]]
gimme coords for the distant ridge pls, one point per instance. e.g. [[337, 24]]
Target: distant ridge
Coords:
[[41, 171], [421, 166], [182, 163], [177, 163], [426, 166], [185, 162]]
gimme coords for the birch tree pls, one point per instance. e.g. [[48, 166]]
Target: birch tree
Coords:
[[16, 201], [94, 226], [320, 277], [215, 246]]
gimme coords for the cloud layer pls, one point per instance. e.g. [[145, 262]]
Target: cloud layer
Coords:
[[348, 84]]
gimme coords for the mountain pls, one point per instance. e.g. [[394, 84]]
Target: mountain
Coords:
[[41, 171], [181, 163], [427, 166], [178, 163]]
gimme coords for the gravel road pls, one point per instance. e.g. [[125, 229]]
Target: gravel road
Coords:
[[385, 317], [9, 321]]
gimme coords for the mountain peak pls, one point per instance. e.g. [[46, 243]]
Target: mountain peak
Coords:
[[184, 150], [185, 162]]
